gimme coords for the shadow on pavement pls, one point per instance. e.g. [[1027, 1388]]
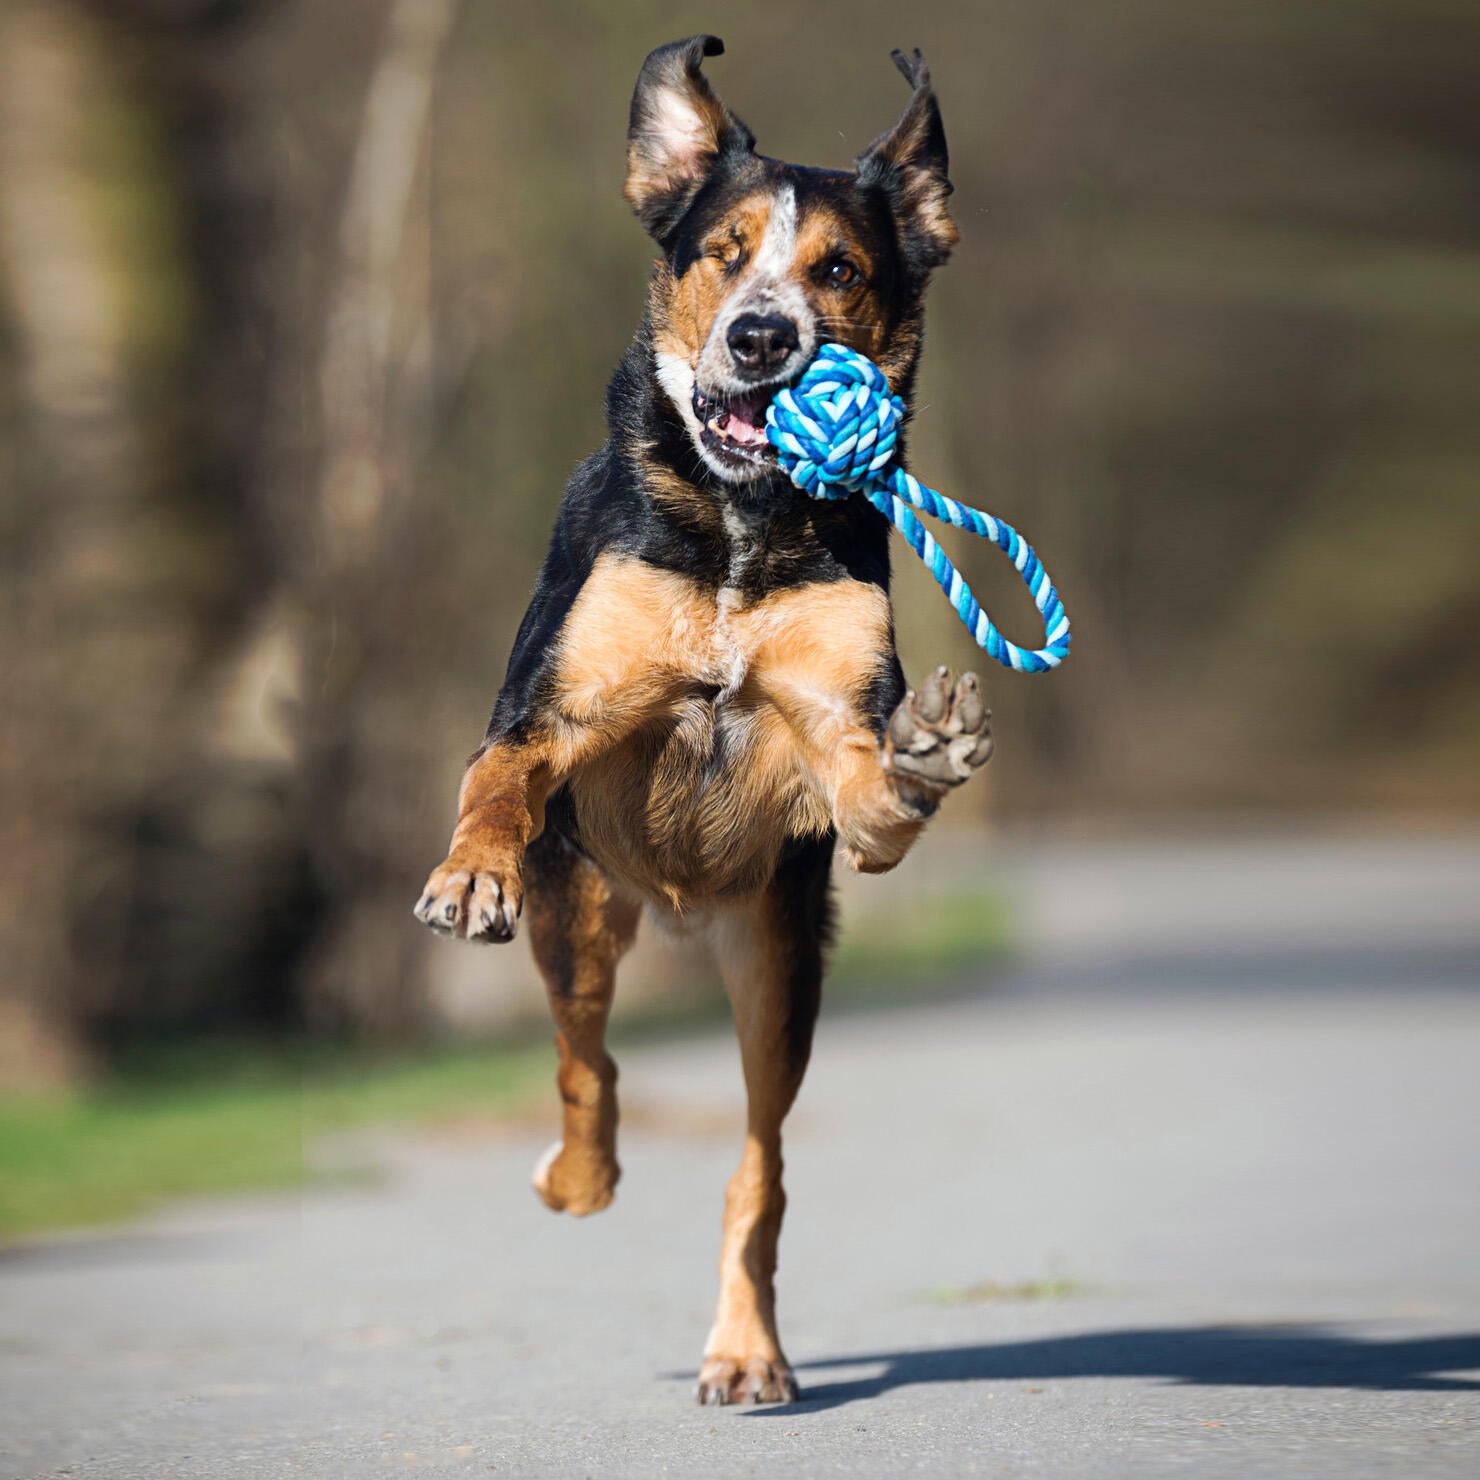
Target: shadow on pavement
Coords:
[[1214, 1356], [1251, 968]]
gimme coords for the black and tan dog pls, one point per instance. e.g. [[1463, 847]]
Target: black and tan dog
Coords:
[[704, 697]]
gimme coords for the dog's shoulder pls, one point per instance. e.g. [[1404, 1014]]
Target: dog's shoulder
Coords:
[[613, 507]]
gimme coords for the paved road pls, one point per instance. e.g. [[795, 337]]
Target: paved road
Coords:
[[1246, 1153]]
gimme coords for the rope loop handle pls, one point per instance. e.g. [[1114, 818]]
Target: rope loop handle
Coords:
[[835, 433]]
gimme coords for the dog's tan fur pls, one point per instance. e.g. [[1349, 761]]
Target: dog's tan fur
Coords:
[[644, 652], [579, 929], [743, 1352]]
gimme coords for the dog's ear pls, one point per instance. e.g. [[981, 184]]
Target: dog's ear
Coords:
[[910, 165], [677, 131]]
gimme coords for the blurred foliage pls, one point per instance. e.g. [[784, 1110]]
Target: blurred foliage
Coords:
[[217, 1119], [306, 309]]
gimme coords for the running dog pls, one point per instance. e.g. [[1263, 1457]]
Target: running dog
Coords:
[[704, 699]]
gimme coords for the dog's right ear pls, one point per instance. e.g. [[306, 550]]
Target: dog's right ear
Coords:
[[678, 130], [910, 164]]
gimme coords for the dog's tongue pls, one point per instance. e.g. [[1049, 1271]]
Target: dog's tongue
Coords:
[[747, 420]]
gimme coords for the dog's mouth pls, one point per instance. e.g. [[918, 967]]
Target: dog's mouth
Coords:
[[733, 427]]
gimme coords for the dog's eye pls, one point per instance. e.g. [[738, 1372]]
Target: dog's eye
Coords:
[[841, 274], [727, 254]]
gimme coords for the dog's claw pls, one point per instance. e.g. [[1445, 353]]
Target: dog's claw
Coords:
[[471, 902], [724, 1380]]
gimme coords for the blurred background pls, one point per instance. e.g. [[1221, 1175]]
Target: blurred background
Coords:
[[306, 310]]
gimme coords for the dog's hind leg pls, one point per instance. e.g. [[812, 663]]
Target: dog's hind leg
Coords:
[[771, 955], [579, 928]]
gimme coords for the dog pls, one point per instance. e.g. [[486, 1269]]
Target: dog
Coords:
[[704, 700]]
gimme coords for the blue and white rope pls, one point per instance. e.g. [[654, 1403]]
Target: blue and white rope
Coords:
[[834, 433]]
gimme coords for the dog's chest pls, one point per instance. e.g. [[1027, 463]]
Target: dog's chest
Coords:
[[642, 639], [718, 703], [732, 646], [731, 637]]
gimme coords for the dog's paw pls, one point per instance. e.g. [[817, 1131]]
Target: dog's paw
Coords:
[[939, 736], [746, 1380], [576, 1180], [466, 901]]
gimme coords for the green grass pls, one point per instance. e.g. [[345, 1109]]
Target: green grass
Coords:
[[222, 1120], [190, 1120]]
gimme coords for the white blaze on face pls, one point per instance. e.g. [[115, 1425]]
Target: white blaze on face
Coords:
[[728, 424], [766, 286], [778, 246]]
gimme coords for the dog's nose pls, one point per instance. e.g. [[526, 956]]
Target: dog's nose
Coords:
[[760, 343]]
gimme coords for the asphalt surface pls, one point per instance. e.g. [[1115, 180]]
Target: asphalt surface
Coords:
[[1194, 1189]]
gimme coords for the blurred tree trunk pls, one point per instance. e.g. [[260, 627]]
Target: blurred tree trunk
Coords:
[[71, 515], [198, 856], [149, 873], [374, 395], [224, 895]]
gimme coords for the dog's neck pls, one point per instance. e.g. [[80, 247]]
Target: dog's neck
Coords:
[[743, 536]]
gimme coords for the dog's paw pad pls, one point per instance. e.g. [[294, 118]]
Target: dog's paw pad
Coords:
[[940, 736]]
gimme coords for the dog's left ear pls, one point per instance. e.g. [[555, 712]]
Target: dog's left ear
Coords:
[[910, 165], [677, 131]]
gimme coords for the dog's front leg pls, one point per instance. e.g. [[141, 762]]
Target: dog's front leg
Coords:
[[580, 926], [885, 792], [477, 892]]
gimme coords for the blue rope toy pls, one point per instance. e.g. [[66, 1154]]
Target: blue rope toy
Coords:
[[834, 433]]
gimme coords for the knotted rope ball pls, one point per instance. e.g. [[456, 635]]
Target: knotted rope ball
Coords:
[[835, 433]]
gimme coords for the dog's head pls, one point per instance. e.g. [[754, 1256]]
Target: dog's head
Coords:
[[763, 261]]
